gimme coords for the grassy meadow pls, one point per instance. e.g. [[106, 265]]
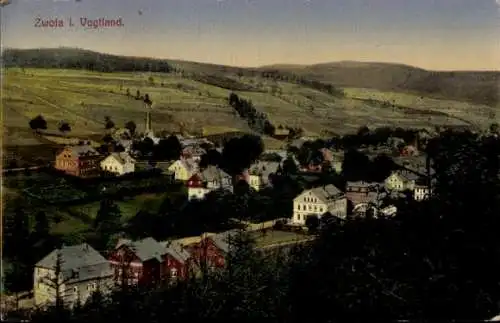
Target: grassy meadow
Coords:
[[84, 98]]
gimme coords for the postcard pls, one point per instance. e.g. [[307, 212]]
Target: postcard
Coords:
[[138, 136]]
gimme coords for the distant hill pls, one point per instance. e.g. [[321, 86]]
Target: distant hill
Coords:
[[476, 87], [73, 58]]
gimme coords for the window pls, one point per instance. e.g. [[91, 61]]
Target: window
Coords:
[[91, 286], [75, 289], [173, 272]]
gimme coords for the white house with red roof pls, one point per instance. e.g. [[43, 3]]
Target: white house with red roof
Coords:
[[210, 179]]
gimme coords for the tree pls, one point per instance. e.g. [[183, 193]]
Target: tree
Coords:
[[38, 123], [240, 153], [131, 126], [16, 230], [107, 222], [289, 166], [147, 100], [312, 223], [64, 127], [107, 139], [212, 157], [55, 280], [494, 127], [42, 226], [168, 149], [108, 123], [145, 224]]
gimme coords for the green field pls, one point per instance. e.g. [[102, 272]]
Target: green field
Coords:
[[84, 98], [273, 237], [128, 208]]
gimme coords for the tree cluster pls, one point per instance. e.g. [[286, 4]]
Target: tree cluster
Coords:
[[168, 148], [72, 58], [293, 78], [256, 120], [376, 137]]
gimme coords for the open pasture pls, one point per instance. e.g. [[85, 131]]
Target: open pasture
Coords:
[[85, 98]]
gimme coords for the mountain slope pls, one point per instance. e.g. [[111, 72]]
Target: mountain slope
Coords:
[[475, 87], [478, 87]]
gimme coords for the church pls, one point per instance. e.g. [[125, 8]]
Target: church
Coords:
[[148, 131]]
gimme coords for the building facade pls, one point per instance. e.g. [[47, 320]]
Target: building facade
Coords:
[[82, 271], [81, 161], [118, 163], [318, 201]]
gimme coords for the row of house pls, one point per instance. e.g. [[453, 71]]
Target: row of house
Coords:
[[147, 262], [84, 161], [363, 196]]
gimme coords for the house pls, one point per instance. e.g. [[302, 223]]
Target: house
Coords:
[[210, 179], [421, 192], [388, 211], [409, 150], [401, 181], [318, 201], [83, 270], [118, 163], [362, 192], [312, 168], [81, 161], [138, 262], [149, 262], [297, 143], [127, 144], [337, 162], [183, 169], [281, 133], [212, 250], [259, 173], [193, 152], [177, 261]]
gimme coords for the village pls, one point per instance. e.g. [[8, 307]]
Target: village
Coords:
[[319, 199]]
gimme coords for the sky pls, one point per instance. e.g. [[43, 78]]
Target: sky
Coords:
[[432, 34]]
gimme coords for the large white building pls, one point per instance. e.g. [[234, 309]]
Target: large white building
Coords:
[[83, 271], [318, 201]]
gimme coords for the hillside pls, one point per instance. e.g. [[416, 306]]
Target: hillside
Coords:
[[474, 87], [194, 98]]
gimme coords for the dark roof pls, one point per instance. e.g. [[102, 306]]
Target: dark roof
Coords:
[[223, 240], [213, 173], [326, 193], [176, 250], [363, 184], [145, 249], [80, 262], [264, 168], [83, 150]]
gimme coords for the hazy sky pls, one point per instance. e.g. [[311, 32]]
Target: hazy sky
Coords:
[[433, 34]]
